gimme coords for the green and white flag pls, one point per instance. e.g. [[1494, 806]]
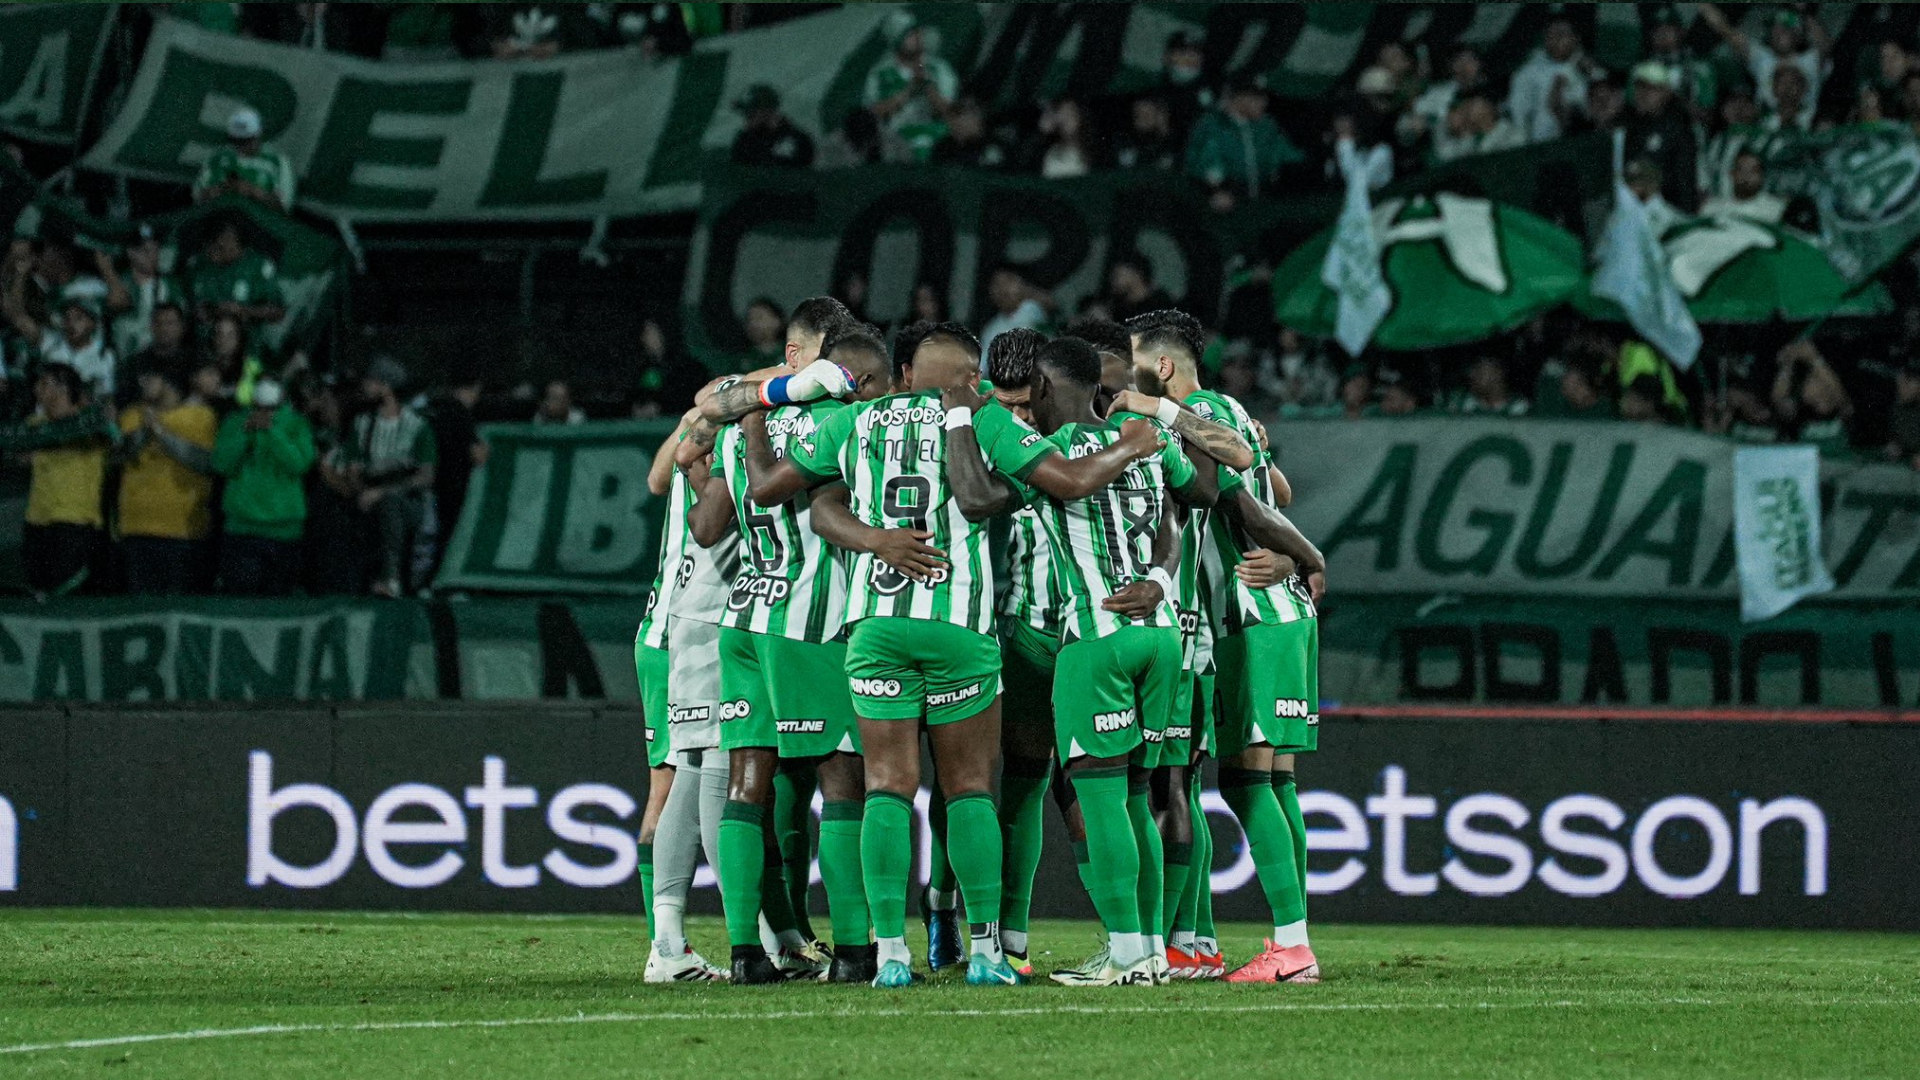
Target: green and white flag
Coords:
[[1732, 270], [1457, 269], [1865, 178], [49, 55], [1776, 528], [1352, 269], [1633, 273]]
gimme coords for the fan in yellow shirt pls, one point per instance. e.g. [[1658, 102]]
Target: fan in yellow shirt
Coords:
[[166, 488]]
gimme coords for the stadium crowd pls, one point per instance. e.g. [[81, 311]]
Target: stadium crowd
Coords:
[[151, 409]]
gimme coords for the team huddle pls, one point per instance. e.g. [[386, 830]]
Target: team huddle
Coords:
[[827, 596]]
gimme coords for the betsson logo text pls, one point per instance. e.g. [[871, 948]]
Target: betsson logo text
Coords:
[[1495, 828], [433, 816]]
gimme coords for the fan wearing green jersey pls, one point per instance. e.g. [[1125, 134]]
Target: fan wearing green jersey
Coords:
[[782, 658], [920, 649], [1119, 660], [1266, 647]]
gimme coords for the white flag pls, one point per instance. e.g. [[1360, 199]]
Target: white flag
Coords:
[[1776, 528], [1352, 269], [1633, 273]]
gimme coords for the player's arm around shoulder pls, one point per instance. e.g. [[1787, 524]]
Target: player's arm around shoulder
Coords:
[[713, 515], [980, 494], [1198, 425]]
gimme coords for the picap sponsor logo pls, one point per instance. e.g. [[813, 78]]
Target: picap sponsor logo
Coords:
[[1296, 709], [1581, 845], [875, 687], [591, 825], [800, 727], [954, 697], [735, 710], [689, 714], [746, 590], [1189, 622], [1112, 721]]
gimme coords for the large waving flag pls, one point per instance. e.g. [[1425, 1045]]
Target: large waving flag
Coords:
[[1632, 272], [1352, 267]]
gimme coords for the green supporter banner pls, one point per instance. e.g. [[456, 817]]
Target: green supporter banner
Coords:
[[560, 508], [49, 59], [1506, 507], [127, 650]]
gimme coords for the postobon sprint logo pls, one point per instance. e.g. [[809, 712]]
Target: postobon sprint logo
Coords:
[[1112, 721], [735, 710], [875, 687]]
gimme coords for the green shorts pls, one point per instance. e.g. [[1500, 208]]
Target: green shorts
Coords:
[[1177, 747], [650, 668], [1269, 688], [1026, 671], [903, 669], [785, 694], [1112, 694]]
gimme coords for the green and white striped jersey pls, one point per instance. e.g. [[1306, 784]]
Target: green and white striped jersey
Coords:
[[684, 566], [892, 453], [1237, 606], [791, 583], [1033, 594], [1190, 603], [1104, 542]]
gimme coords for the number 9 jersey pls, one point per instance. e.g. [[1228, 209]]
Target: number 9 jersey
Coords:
[[891, 454]]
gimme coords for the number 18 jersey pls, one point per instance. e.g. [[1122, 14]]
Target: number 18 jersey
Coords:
[[791, 583], [892, 454]]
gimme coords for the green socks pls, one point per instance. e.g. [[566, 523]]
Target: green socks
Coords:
[[886, 860], [793, 788], [1146, 839], [1023, 802], [1173, 894], [1249, 793], [743, 847], [1113, 863], [940, 879], [1289, 796], [646, 883], [840, 872], [973, 849], [1198, 904]]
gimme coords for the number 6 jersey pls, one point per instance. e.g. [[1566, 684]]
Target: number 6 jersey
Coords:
[[791, 583], [891, 453]]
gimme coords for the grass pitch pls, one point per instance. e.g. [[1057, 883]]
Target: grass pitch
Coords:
[[217, 994]]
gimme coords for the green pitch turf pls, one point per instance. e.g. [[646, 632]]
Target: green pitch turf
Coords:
[[162, 994]]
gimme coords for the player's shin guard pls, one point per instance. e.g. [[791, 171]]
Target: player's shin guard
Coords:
[[793, 788], [1249, 793], [1146, 838], [840, 873], [1289, 796], [973, 846], [1023, 803], [742, 869], [886, 860], [1113, 863]]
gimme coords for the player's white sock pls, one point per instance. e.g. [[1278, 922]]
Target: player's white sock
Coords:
[[1127, 949], [1294, 933], [669, 926], [1014, 941], [769, 940], [791, 939], [1184, 940], [892, 948], [1208, 946], [943, 899], [1156, 945], [986, 942]]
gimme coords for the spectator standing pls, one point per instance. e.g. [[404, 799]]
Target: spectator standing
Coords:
[[166, 490], [1794, 40], [1131, 289], [1810, 399], [1694, 80], [239, 367], [167, 346], [1398, 397], [1428, 114], [1487, 392], [1237, 149], [1573, 388], [910, 89], [1793, 109], [1645, 181], [335, 549], [967, 141], [1016, 304], [1356, 393], [1149, 141], [1182, 85], [1474, 126], [1659, 129], [1749, 200], [67, 441], [556, 405], [766, 327], [78, 341], [458, 450], [649, 376], [1298, 382], [393, 454], [768, 137], [229, 278], [1739, 132], [264, 452], [132, 297], [1550, 89], [1064, 147], [247, 167]]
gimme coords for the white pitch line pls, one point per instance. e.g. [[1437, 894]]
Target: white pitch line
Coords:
[[848, 1014]]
